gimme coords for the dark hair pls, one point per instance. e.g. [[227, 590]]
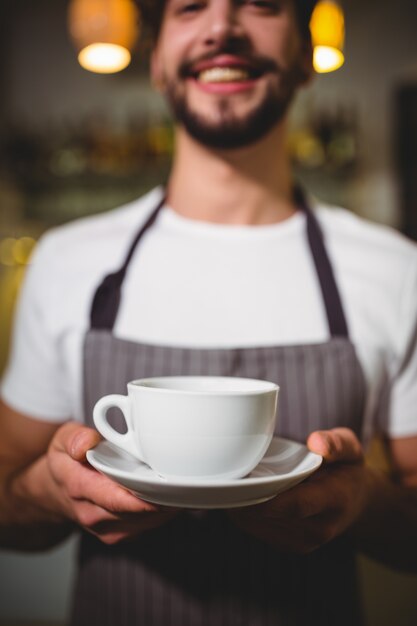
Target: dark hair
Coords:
[[304, 9], [152, 11]]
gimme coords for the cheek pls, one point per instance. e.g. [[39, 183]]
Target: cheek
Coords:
[[174, 47], [278, 40]]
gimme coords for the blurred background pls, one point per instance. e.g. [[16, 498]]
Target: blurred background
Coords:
[[74, 142]]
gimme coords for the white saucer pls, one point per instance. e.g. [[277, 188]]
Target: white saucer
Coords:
[[285, 464]]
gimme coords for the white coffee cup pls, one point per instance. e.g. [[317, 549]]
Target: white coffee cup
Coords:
[[195, 427]]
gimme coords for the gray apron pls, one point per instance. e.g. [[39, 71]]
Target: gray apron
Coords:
[[199, 569]]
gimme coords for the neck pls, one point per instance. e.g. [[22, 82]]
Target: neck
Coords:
[[247, 186]]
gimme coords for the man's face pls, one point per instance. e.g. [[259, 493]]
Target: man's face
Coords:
[[229, 68]]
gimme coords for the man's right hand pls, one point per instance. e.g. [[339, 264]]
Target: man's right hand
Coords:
[[47, 486], [90, 499]]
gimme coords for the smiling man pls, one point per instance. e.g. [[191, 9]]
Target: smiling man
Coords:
[[231, 271]]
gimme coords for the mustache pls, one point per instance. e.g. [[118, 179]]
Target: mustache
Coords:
[[258, 63]]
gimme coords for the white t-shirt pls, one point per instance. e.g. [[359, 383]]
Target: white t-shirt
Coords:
[[197, 284]]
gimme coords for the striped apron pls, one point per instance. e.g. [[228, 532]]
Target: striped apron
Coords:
[[199, 569]]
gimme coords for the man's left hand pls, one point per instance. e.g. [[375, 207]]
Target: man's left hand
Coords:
[[319, 509]]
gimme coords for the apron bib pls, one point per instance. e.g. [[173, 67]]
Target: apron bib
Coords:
[[199, 569]]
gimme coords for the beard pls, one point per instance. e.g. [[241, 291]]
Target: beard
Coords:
[[229, 131]]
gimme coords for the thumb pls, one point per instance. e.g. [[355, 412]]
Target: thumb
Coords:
[[336, 445], [75, 440]]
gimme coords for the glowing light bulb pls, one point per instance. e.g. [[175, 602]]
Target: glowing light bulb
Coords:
[[104, 58], [104, 32], [327, 59], [327, 27]]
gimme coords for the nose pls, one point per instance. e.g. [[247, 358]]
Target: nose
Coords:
[[222, 22]]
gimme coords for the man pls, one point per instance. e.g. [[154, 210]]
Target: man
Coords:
[[232, 273]]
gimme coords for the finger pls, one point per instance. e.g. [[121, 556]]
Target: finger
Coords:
[[111, 533], [112, 528], [82, 482], [81, 442], [132, 525], [92, 515], [336, 445], [74, 439], [88, 484]]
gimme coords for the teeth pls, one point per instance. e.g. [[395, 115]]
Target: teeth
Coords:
[[223, 75]]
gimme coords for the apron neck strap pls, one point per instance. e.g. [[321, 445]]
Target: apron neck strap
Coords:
[[331, 296], [107, 298], [106, 301]]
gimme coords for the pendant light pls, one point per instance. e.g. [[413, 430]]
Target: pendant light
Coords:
[[328, 36], [104, 32]]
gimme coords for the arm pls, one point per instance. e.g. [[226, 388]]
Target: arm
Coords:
[[47, 488], [22, 442], [345, 496]]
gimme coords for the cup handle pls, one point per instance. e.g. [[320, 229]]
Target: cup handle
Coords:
[[125, 441]]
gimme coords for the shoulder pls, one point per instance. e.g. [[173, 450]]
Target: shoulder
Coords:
[[377, 269], [343, 224], [374, 249]]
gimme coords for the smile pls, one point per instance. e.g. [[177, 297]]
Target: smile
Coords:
[[224, 75], [225, 69]]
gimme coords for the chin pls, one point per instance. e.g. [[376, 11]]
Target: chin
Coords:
[[231, 132], [229, 122]]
